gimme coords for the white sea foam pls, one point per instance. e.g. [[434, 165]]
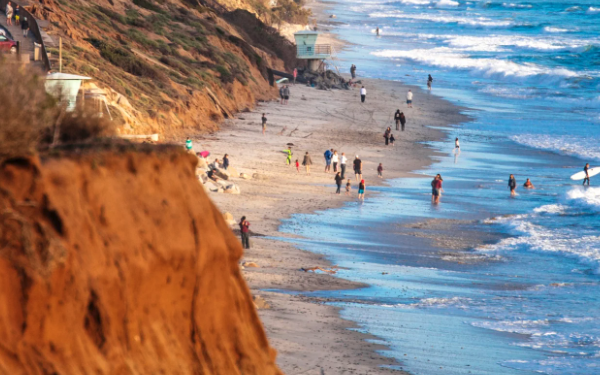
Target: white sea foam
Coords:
[[550, 29], [584, 147], [583, 246], [447, 3], [470, 21], [458, 302], [448, 58], [519, 6], [593, 10]]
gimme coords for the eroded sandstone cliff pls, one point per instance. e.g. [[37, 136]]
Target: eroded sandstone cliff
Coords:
[[117, 263]]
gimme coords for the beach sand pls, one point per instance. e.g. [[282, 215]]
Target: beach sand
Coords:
[[309, 335]]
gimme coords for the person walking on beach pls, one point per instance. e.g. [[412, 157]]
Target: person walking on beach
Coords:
[[392, 140], [402, 120], [361, 190], [307, 162], [245, 232], [335, 159], [343, 161], [188, 144], [226, 161], [409, 98], [338, 182], [353, 71], [512, 184], [348, 187], [587, 176], [397, 119], [429, 82], [528, 185], [386, 135], [363, 94], [357, 168], [295, 75], [380, 170], [264, 123], [288, 158], [297, 165], [9, 13], [328, 155]]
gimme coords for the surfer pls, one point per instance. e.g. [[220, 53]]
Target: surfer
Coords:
[[587, 175], [377, 31], [512, 184], [528, 185]]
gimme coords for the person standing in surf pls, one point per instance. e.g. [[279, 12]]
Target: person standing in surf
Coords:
[[587, 175], [429, 82], [361, 190], [456, 146], [512, 184], [436, 189]]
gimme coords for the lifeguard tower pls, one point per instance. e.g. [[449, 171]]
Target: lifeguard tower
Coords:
[[308, 49]]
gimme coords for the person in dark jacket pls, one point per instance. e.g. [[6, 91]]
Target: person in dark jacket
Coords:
[[587, 176], [245, 232], [386, 135], [358, 168], [307, 162], [397, 119], [225, 161], [512, 184], [338, 182], [25, 26], [402, 120]]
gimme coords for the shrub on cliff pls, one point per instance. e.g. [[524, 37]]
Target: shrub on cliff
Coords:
[[32, 119]]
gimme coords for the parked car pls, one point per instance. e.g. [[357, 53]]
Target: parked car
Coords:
[[7, 44]]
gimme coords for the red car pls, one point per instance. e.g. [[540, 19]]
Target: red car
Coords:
[[7, 45]]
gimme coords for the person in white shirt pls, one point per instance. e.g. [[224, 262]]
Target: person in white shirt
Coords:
[[335, 160], [343, 160], [456, 146], [409, 99], [363, 94]]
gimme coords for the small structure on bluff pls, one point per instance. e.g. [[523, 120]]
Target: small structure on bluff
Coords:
[[308, 49]]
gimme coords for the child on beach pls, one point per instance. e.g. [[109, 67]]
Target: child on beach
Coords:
[[361, 190], [348, 187], [264, 123], [392, 139], [380, 170], [297, 165]]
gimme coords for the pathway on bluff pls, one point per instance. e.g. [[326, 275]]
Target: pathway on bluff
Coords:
[[25, 43]]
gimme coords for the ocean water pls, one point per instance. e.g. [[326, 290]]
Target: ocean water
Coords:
[[527, 301]]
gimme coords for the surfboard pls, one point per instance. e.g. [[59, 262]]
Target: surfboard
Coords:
[[581, 175]]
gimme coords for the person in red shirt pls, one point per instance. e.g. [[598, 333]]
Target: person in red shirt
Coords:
[[436, 189], [244, 225]]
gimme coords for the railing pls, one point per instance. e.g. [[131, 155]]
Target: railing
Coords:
[[313, 50], [33, 27]]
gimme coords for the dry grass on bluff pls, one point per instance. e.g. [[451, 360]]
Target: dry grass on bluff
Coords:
[[32, 120]]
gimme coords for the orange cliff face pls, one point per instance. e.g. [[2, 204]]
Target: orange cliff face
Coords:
[[118, 263]]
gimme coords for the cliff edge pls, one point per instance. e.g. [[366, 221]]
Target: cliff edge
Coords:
[[118, 263]]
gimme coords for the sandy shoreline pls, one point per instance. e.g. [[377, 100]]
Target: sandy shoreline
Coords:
[[309, 335]]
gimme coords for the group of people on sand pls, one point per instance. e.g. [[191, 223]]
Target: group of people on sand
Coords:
[[284, 94]]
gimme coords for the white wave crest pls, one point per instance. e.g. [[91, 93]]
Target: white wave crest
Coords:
[[593, 10], [447, 3], [519, 6], [588, 196], [448, 58], [550, 29], [586, 148], [470, 21]]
